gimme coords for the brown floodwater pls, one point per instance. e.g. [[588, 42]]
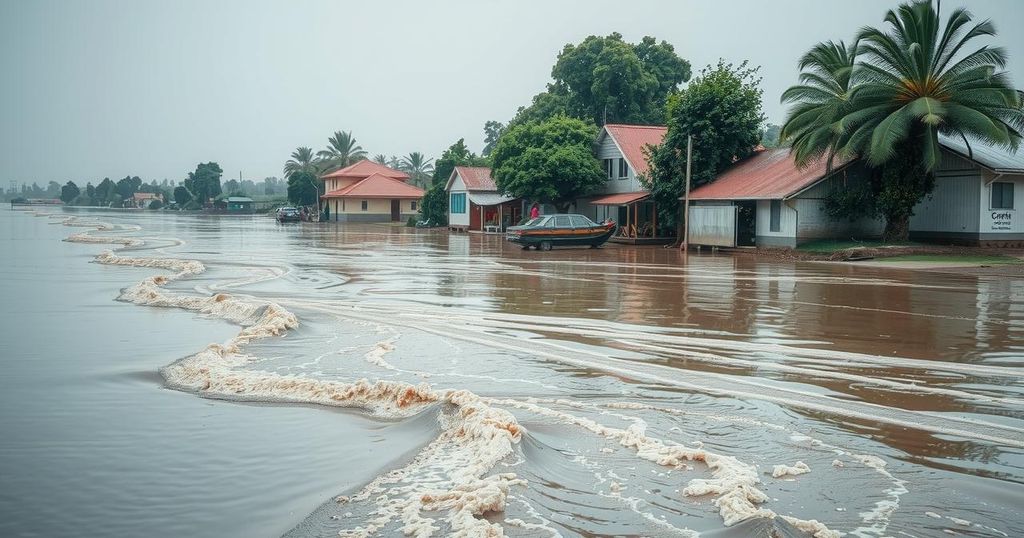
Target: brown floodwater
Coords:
[[578, 392]]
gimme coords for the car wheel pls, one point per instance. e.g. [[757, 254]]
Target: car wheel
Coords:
[[545, 245]]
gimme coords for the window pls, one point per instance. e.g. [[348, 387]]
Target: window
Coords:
[[458, 203], [579, 221], [609, 168], [775, 216], [412, 205], [562, 221], [365, 205], [1002, 195], [623, 169]]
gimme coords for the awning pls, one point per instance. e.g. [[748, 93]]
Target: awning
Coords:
[[624, 198], [489, 198]]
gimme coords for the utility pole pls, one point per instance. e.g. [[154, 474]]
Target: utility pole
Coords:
[[686, 204]]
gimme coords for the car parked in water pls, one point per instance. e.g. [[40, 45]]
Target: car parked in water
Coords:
[[549, 231], [287, 214]]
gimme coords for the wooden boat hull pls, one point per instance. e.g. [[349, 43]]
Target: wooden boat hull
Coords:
[[594, 236]]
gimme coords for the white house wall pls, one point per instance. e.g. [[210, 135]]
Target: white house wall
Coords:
[[608, 150], [996, 224], [458, 219], [786, 236]]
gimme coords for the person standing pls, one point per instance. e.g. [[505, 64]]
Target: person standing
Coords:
[[534, 211]]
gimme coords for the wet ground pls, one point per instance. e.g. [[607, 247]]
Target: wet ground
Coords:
[[620, 391]]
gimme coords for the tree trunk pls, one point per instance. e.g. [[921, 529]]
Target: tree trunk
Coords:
[[562, 207], [896, 229]]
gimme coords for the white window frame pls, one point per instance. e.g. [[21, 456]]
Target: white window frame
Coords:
[[623, 168], [775, 216]]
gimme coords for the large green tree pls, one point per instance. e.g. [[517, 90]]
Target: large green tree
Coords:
[[127, 186], [302, 188], [492, 132], [550, 161], [69, 192], [608, 80], [911, 82], [721, 108], [342, 150], [204, 183], [182, 196], [434, 206]]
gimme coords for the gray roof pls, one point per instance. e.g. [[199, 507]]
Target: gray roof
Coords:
[[489, 198], [992, 157], [239, 199]]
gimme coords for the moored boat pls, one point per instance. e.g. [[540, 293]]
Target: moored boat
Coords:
[[549, 231]]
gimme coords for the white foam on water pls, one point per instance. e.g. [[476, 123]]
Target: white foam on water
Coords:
[[474, 437], [797, 468], [733, 482]]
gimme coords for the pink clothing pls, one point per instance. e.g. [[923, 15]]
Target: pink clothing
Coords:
[[534, 212]]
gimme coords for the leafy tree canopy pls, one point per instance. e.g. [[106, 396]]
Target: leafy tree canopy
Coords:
[[551, 161], [607, 78], [204, 183], [69, 192], [492, 132], [182, 196], [721, 108], [302, 188]]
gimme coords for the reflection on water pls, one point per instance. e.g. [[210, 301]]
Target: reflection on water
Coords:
[[900, 390]]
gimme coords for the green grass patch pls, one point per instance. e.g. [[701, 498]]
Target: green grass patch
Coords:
[[994, 259], [828, 246]]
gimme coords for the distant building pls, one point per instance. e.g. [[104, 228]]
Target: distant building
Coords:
[[624, 199], [143, 199], [767, 201], [370, 192], [474, 202], [239, 204]]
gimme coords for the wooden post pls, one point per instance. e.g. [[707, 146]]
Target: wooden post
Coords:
[[686, 202]]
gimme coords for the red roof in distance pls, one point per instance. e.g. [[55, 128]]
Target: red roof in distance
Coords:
[[476, 178], [366, 168], [631, 140], [378, 186], [769, 174]]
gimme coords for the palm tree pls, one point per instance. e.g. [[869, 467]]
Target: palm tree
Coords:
[[819, 101], [302, 160], [418, 167], [380, 158], [909, 85], [341, 151]]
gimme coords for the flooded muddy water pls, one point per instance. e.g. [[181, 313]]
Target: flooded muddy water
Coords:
[[229, 376]]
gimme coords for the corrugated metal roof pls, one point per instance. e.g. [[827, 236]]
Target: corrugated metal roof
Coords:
[[632, 139], [377, 186], [769, 174], [991, 157], [366, 168], [476, 178], [489, 198], [624, 198]]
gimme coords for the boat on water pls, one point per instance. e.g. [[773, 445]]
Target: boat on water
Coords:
[[549, 231]]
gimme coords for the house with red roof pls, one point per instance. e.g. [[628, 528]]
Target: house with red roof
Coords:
[[474, 203], [766, 200], [622, 151], [369, 192]]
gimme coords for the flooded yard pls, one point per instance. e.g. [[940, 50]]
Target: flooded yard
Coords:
[[261, 379]]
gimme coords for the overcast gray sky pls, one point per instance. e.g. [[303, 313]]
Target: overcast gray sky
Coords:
[[110, 88]]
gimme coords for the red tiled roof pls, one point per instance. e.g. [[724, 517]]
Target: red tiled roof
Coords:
[[632, 139], [377, 186], [476, 178], [366, 168], [769, 174], [623, 198]]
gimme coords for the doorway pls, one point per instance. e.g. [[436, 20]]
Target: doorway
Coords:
[[746, 223], [396, 210]]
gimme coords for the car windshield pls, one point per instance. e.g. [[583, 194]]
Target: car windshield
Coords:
[[535, 221]]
